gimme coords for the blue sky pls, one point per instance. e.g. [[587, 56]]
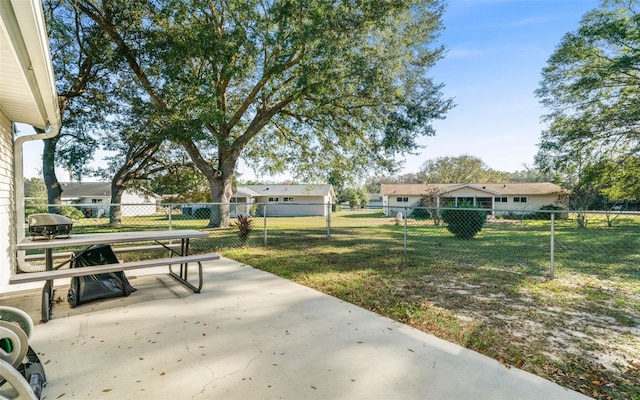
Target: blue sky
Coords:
[[496, 52]]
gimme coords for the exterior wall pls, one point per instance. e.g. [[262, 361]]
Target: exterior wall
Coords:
[[240, 206], [134, 205], [391, 206], [7, 201], [299, 207], [91, 209], [147, 204], [534, 202]]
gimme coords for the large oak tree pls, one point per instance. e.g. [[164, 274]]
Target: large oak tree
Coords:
[[459, 169], [306, 86], [80, 55], [591, 87]]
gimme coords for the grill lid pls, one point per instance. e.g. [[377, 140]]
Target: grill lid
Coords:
[[49, 225]]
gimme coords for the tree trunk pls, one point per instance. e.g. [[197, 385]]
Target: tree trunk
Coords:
[[220, 181], [54, 190], [117, 190], [221, 191]]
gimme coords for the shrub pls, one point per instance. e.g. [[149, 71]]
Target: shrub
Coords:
[[543, 215], [35, 210], [71, 212], [464, 222], [67, 211], [421, 213], [517, 215], [202, 213], [244, 228]]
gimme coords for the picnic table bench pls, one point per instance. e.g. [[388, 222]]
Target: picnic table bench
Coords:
[[179, 256]]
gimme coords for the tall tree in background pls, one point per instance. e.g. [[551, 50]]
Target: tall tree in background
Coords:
[[528, 174], [35, 189], [79, 51], [591, 86], [460, 169], [181, 184], [303, 86], [372, 184]]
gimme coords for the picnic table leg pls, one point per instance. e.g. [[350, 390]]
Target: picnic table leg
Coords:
[[47, 290], [182, 275], [47, 299]]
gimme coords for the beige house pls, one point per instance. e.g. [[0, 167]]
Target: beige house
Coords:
[[500, 197], [27, 95], [284, 200]]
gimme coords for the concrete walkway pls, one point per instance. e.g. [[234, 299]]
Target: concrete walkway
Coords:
[[252, 335]]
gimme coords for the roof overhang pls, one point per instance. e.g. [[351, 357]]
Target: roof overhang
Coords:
[[27, 83], [475, 187]]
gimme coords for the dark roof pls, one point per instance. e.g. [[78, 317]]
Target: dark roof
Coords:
[[92, 189], [86, 189], [285, 190]]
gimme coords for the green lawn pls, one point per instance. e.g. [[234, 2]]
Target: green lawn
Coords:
[[490, 294]]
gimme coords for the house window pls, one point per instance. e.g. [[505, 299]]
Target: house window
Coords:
[[96, 201], [273, 199], [519, 199], [501, 199], [287, 199], [402, 199]]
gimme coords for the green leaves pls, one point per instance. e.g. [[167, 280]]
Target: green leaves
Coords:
[[464, 222], [302, 86], [461, 169], [591, 87]]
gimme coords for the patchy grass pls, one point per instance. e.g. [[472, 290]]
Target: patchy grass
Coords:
[[490, 294], [581, 336]]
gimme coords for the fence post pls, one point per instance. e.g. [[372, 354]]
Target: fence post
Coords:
[[329, 221], [406, 210], [264, 217], [552, 246]]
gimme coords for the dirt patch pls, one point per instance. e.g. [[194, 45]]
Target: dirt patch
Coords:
[[554, 329]]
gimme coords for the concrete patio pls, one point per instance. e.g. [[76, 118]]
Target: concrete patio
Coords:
[[252, 335]]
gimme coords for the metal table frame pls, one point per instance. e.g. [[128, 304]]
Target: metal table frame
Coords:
[[90, 239]]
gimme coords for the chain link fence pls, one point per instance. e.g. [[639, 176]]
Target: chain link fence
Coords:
[[601, 244]]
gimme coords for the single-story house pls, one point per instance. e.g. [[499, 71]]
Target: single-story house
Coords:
[[283, 200], [95, 198], [28, 96], [374, 200], [497, 196]]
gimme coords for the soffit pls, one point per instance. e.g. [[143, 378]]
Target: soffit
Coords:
[[27, 90]]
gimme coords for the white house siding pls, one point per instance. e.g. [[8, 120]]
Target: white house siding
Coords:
[[485, 198], [391, 205], [534, 202], [240, 206], [135, 204], [91, 208], [305, 206], [7, 201]]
